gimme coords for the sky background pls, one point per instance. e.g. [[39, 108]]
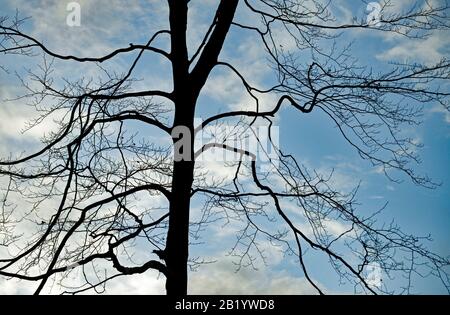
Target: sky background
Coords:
[[108, 25]]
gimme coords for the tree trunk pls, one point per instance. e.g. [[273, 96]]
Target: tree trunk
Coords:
[[177, 249], [186, 88], [177, 245]]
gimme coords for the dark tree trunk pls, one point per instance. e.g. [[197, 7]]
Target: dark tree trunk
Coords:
[[177, 252], [178, 234], [186, 90]]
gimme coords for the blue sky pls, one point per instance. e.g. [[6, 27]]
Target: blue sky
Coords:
[[106, 25]]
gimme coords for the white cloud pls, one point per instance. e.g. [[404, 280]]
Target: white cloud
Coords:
[[390, 187], [103, 23], [441, 110], [221, 278], [217, 278], [15, 116], [427, 50], [335, 228], [140, 284], [15, 286]]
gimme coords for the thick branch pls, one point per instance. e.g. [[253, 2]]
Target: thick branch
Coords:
[[210, 54]]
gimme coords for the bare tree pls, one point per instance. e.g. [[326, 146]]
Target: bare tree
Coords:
[[97, 171]]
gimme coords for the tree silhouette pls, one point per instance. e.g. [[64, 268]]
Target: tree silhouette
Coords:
[[98, 172]]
